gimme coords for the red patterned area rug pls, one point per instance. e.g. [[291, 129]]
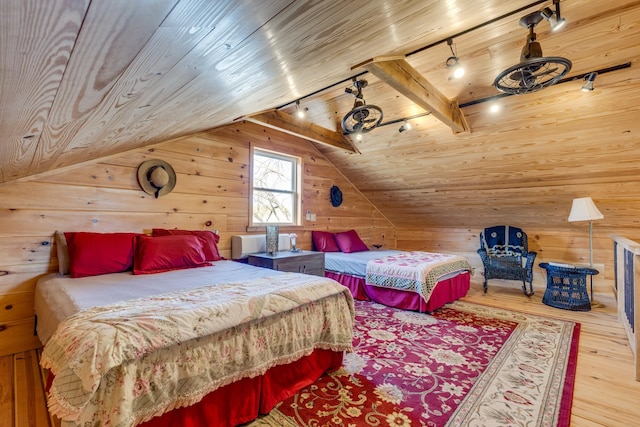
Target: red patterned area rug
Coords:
[[465, 365]]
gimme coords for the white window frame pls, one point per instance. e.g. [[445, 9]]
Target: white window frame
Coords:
[[296, 190]]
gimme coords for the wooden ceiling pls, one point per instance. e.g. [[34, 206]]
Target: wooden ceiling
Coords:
[[81, 80]]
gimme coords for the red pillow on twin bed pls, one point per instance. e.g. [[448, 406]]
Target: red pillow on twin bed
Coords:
[[166, 253], [92, 254], [324, 241], [211, 240], [349, 241]]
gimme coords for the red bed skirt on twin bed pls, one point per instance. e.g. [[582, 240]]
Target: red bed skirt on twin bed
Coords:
[[445, 291], [242, 401]]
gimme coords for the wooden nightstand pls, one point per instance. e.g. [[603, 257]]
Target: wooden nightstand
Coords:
[[307, 262]]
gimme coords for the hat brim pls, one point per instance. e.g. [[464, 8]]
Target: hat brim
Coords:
[[147, 186]]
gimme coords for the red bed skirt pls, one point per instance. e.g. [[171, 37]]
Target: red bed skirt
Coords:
[[242, 401], [446, 291]]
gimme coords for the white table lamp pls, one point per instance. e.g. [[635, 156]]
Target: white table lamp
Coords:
[[583, 209]]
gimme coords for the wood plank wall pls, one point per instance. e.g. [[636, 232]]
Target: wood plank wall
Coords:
[[211, 193]]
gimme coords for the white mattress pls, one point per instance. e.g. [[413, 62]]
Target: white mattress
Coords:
[[57, 297], [353, 264]]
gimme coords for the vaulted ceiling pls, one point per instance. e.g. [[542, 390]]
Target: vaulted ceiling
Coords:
[[85, 79]]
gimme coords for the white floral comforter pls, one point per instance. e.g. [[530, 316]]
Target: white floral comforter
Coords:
[[414, 271], [122, 364]]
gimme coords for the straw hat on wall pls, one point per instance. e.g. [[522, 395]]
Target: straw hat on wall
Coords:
[[156, 177]]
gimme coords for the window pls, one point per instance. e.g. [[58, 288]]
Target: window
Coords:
[[275, 183]]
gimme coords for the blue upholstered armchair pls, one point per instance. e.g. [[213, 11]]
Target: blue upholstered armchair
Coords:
[[505, 255]]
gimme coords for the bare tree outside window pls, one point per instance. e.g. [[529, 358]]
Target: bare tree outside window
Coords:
[[274, 188]]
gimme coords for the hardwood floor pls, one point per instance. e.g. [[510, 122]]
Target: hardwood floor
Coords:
[[605, 392], [22, 398]]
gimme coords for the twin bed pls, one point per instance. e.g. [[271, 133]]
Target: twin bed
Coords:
[[191, 339], [418, 281]]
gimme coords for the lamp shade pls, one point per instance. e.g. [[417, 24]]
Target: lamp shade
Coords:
[[583, 209]]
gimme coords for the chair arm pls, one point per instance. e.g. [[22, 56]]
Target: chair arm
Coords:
[[483, 255], [531, 257]]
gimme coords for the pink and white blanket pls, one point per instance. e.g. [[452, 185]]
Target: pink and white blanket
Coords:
[[414, 271], [121, 364]]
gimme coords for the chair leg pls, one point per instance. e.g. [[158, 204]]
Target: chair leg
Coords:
[[484, 285], [524, 288]]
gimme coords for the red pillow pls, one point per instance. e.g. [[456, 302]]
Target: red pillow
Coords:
[[211, 240], [324, 241], [349, 241], [165, 253], [92, 254]]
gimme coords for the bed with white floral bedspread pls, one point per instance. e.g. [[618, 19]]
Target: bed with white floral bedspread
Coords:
[[125, 362], [414, 271], [419, 281]]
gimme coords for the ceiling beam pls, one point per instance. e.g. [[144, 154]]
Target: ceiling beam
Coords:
[[400, 75], [279, 120]]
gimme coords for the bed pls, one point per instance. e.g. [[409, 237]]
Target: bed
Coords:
[[411, 280], [217, 344]]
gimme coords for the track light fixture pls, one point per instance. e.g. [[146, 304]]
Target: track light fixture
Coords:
[[454, 62], [554, 18], [300, 112], [406, 126], [589, 78], [560, 21]]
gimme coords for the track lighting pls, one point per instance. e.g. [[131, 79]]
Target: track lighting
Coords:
[[406, 126], [554, 18], [300, 112], [560, 21], [547, 13], [454, 62], [589, 78]]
